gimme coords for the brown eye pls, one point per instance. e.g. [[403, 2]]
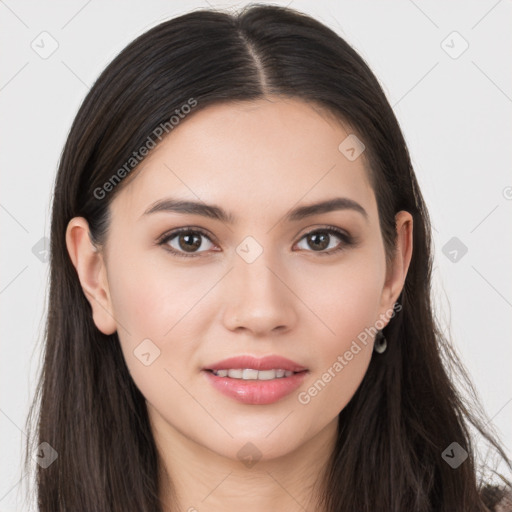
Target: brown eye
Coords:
[[189, 242], [322, 239], [318, 240], [185, 242]]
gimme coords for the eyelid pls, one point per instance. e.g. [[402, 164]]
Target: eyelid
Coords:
[[346, 238], [186, 229]]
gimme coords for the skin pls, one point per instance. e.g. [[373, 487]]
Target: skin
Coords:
[[257, 160]]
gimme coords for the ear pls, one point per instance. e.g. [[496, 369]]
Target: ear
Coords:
[[90, 266], [397, 272]]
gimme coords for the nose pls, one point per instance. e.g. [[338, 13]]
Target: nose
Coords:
[[259, 297]]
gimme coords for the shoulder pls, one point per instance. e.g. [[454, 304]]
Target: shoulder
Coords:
[[505, 504], [498, 499]]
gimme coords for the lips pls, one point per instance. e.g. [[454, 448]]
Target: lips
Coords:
[[255, 391], [271, 362]]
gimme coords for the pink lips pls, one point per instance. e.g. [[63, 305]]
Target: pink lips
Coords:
[[256, 392], [265, 363]]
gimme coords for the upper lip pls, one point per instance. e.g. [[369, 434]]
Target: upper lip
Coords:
[[271, 362]]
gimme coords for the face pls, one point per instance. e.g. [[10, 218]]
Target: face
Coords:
[[260, 282]]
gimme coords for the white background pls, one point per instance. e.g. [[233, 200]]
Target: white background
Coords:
[[455, 114]]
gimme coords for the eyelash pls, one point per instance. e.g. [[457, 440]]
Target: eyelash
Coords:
[[347, 240]]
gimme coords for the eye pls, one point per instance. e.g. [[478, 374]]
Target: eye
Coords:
[[186, 242], [321, 239]]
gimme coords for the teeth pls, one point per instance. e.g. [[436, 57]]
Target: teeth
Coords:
[[250, 374], [246, 374]]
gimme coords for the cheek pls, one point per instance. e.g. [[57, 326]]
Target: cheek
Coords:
[[346, 301], [161, 310], [344, 297], [152, 297], [159, 326], [329, 390]]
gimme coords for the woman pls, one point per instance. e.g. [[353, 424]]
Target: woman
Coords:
[[240, 311]]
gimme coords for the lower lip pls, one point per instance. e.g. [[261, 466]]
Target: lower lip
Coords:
[[256, 392]]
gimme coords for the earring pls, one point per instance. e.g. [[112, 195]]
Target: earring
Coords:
[[381, 344]]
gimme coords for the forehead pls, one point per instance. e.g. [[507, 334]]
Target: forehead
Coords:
[[251, 155]]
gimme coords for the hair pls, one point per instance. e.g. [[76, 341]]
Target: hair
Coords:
[[408, 408]]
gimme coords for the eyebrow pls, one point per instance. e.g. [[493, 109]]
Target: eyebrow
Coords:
[[211, 211]]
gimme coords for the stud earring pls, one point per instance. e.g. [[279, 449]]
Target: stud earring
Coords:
[[381, 344]]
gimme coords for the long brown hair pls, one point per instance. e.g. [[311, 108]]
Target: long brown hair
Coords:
[[407, 410]]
